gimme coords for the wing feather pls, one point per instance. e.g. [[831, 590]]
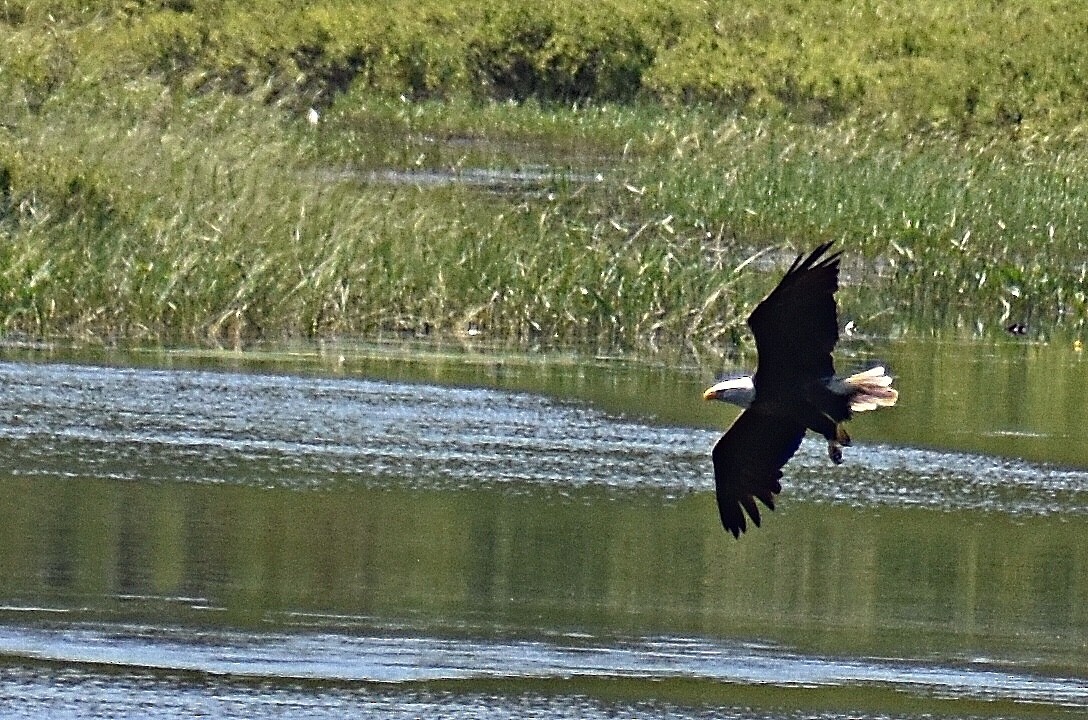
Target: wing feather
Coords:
[[796, 326], [748, 462]]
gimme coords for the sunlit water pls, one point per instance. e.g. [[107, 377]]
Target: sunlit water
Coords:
[[182, 540]]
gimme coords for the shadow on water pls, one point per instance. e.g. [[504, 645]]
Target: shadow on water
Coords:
[[421, 540]]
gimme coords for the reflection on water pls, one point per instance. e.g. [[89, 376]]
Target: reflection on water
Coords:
[[522, 181], [1011, 399], [533, 560], [400, 659], [351, 530]]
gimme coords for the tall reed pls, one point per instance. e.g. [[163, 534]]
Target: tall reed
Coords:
[[169, 217]]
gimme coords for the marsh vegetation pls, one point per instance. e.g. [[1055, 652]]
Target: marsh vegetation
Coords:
[[613, 175]]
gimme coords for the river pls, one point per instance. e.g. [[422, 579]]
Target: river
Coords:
[[344, 531]]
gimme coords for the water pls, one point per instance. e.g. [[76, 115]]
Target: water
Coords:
[[310, 535]]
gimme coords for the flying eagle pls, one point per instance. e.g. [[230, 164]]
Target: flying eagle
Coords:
[[794, 388]]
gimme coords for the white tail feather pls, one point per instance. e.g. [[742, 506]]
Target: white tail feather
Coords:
[[872, 389]]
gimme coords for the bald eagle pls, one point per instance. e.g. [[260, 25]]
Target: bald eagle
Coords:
[[794, 389]]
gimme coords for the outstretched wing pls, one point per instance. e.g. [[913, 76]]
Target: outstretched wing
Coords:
[[796, 326], [748, 462]]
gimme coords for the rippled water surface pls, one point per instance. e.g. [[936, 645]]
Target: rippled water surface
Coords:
[[474, 536]]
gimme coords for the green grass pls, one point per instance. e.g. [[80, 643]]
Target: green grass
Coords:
[[944, 62], [186, 232], [172, 191]]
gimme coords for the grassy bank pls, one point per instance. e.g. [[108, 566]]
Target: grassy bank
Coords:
[[159, 180], [936, 61]]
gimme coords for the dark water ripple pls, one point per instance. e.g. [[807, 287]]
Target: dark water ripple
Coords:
[[214, 427], [79, 694]]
